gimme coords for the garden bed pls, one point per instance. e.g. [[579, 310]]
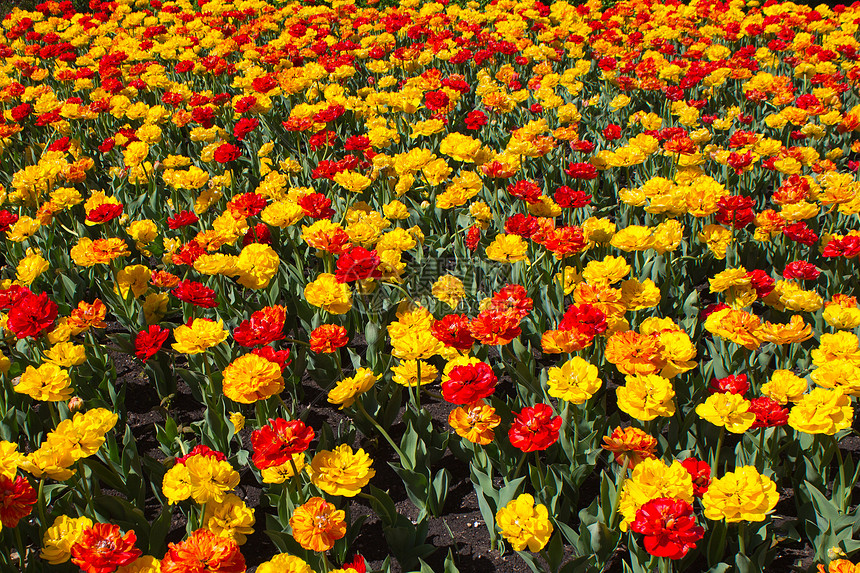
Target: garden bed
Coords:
[[516, 286]]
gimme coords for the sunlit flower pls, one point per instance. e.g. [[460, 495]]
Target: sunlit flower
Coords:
[[230, 518], [257, 265], [211, 478], [48, 383], [341, 471], [284, 563], [250, 378], [317, 524], [346, 390], [101, 548], [475, 422], [449, 289], [635, 354], [534, 428], [328, 338], [575, 381], [329, 294], [727, 410], [508, 249], [821, 411], [652, 479], [742, 495], [203, 551], [17, 498], [646, 397], [669, 527], [525, 524], [61, 536], [199, 336], [630, 445]]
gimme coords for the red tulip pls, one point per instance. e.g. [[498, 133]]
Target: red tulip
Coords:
[[669, 527]]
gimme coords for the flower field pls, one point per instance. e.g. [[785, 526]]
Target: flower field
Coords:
[[597, 265]]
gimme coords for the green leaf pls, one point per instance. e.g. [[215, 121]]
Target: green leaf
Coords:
[[440, 491], [158, 531], [825, 509], [639, 560], [577, 565], [424, 567], [416, 485], [104, 474], [124, 514], [487, 513], [555, 552], [509, 491], [280, 539], [567, 532], [744, 565], [409, 445], [603, 540], [608, 493], [167, 434], [717, 542], [449, 563], [383, 505]]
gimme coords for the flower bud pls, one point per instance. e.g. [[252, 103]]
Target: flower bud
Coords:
[[76, 403], [238, 421]]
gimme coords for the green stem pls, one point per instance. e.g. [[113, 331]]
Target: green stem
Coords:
[[55, 414], [284, 404], [22, 551], [742, 537], [717, 451], [574, 423], [541, 477], [845, 488], [665, 564], [207, 374], [85, 485], [619, 485], [380, 429], [377, 504], [760, 453], [731, 250], [545, 556], [649, 427], [418, 385], [520, 465], [338, 361], [365, 304], [43, 520], [295, 468], [563, 284], [773, 447]]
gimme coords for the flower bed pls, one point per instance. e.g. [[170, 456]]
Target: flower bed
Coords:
[[596, 265]]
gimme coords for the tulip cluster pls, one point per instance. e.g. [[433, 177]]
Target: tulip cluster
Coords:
[[580, 247]]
